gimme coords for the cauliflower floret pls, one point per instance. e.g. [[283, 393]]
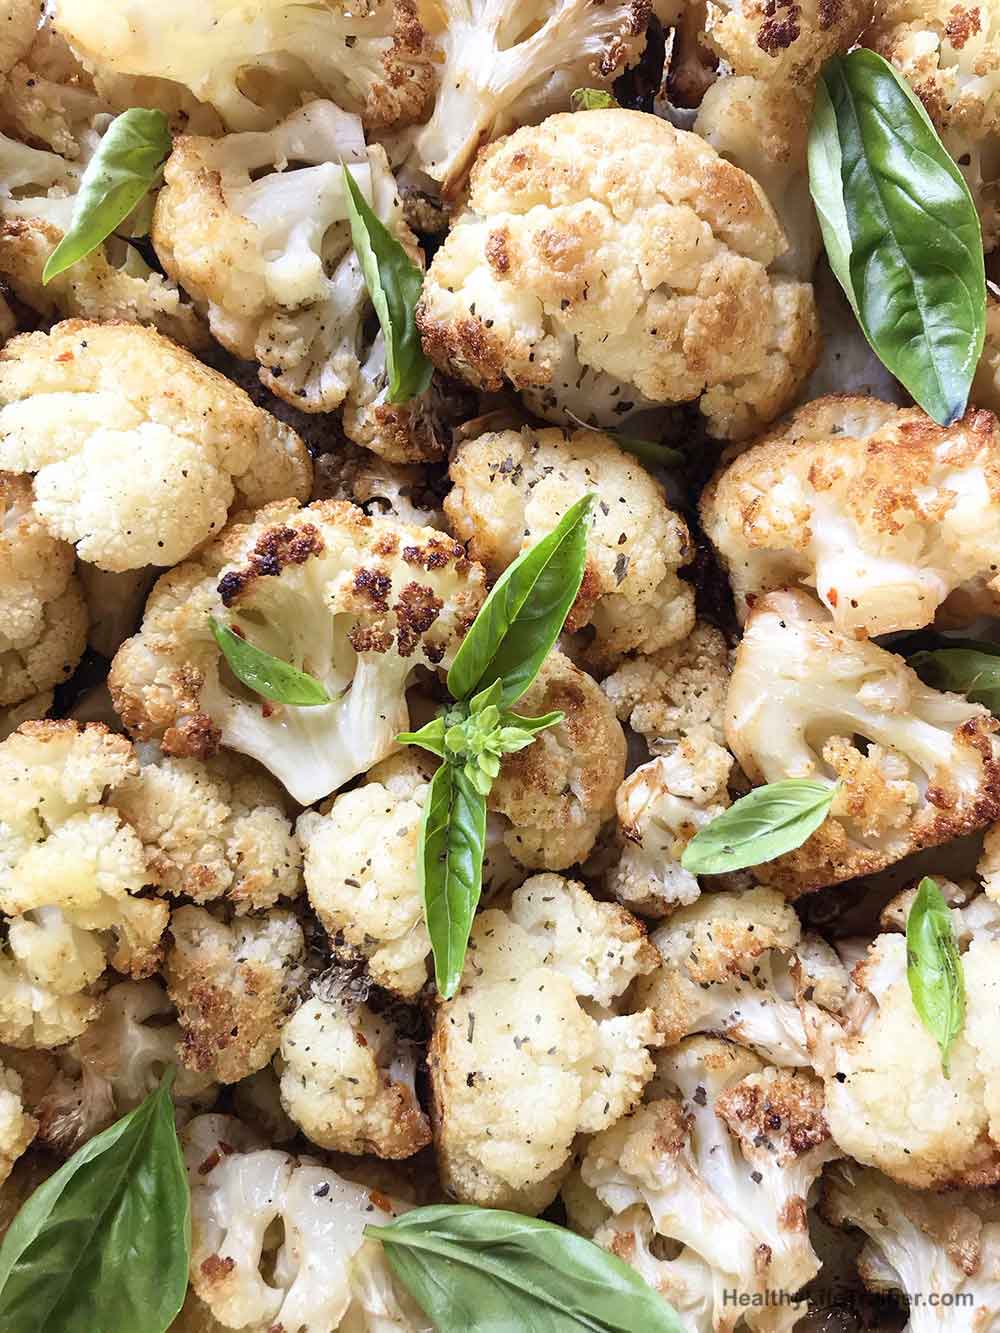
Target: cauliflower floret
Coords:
[[932, 1248], [518, 1065], [138, 449], [255, 1209], [949, 53], [783, 41], [361, 871], [675, 692], [17, 1128], [43, 620], [358, 602], [513, 64], [560, 790], [917, 768], [686, 1282], [739, 964], [347, 1083], [878, 509], [233, 987], [46, 971], [661, 806], [251, 61], [986, 385], [394, 490], [613, 242], [18, 21], [213, 828], [512, 487]]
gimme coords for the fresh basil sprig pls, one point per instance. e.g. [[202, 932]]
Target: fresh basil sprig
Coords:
[[483, 1270], [267, 675], [591, 99], [901, 230], [105, 1242], [123, 170], [964, 666], [394, 284], [768, 822], [934, 968]]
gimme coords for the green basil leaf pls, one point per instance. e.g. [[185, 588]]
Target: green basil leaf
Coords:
[[968, 668], [768, 822], [525, 612], [517, 733], [901, 230], [483, 1270], [934, 968], [103, 1245], [649, 451], [429, 737], [121, 172], [394, 284], [450, 863], [591, 99], [267, 675]]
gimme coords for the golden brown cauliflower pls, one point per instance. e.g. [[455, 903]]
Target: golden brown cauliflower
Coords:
[[43, 619], [512, 487], [18, 21], [783, 41], [138, 449], [608, 261], [17, 1128], [878, 509]]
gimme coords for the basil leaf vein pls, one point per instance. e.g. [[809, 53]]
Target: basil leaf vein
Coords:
[[934, 968], [768, 822], [267, 675]]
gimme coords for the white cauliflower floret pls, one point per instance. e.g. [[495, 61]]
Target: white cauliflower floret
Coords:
[[17, 1128], [18, 21], [138, 449], [257, 1211], [348, 1083], [878, 509], [519, 1066], [782, 41], [361, 871], [559, 791], [940, 1250], [661, 806], [686, 1282], [512, 487], [917, 768], [43, 620], [614, 243], [252, 61], [675, 692], [215, 828], [233, 987], [738, 964], [357, 602], [506, 65]]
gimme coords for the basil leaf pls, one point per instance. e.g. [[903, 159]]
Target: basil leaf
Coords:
[[104, 1244], [901, 230], [429, 737], [768, 822], [121, 172], [934, 968], [591, 99], [516, 732], [394, 284], [968, 668], [525, 612], [649, 451], [483, 1270], [452, 842], [267, 675]]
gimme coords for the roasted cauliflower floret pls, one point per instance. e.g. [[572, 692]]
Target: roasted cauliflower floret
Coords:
[[739, 964], [925, 769], [614, 244], [310, 1271], [560, 790], [878, 509], [380, 488], [233, 987], [138, 450], [361, 870], [519, 1066], [18, 21], [512, 487], [661, 806], [43, 620], [348, 1083], [783, 41], [357, 602], [215, 828], [17, 1128]]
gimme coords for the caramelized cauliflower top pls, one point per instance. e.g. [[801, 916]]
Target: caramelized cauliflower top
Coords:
[[782, 41]]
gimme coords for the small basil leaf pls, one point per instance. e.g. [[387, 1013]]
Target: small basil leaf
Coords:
[[934, 968], [650, 451], [121, 172], [525, 612], [516, 732], [450, 865], [429, 737], [394, 284], [483, 1270], [104, 1243], [968, 668], [901, 230], [591, 99], [267, 675], [768, 822]]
